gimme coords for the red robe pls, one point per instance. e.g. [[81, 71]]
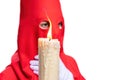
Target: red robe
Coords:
[[32, 12]]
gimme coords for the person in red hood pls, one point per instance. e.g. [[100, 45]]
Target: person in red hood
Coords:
[[35, 18]]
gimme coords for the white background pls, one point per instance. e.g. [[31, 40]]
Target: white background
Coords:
[[92, 35]]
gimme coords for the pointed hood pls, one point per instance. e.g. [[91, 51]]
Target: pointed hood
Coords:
[[32, 13]]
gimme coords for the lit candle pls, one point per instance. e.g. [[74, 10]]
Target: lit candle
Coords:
[[48, 50]]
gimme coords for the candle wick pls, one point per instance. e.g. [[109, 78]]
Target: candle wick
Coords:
[[49, 39]]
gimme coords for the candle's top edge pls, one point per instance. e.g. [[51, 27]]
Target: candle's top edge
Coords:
[[46, 39]]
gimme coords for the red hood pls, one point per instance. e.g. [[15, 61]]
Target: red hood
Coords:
[[31, 14]]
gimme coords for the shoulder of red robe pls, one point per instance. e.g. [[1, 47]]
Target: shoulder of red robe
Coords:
[[71, 64], [8, 74]]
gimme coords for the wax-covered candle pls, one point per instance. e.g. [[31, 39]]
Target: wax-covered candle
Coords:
[[48, 51]]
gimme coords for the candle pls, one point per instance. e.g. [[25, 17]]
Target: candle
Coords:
[[49, 59]]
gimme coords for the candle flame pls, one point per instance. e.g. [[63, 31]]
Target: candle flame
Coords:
[[49, 35]]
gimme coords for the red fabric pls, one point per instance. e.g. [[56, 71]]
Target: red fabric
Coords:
[[32, 12]]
